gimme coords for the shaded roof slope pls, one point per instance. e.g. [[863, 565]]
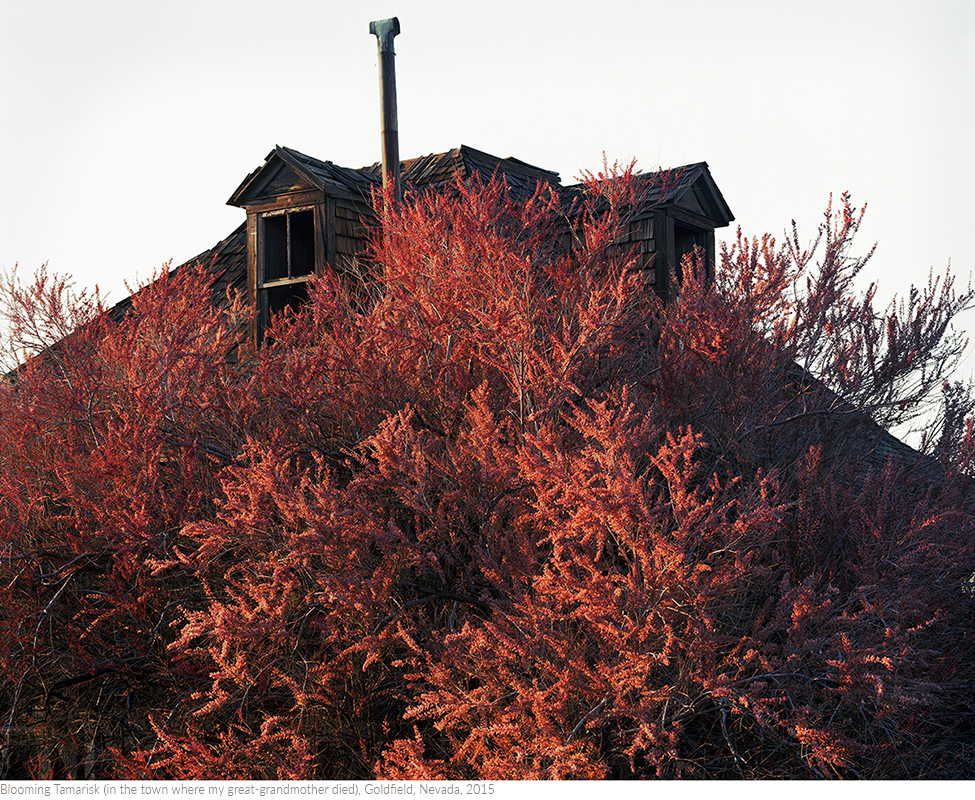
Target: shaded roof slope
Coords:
[[226, 262]]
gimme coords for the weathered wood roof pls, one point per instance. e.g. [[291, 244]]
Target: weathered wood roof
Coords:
[[869, 441], [227, 263], [286, 169], [439, 170]]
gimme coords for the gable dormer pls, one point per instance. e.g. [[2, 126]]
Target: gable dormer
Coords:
[[302, 214], [686, 218], [683, 208]]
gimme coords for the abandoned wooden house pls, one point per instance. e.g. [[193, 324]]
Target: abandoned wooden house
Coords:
[[305, 215]]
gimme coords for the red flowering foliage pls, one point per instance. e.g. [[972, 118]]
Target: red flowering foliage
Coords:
[[500, 514]]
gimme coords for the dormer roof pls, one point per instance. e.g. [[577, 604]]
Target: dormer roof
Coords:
[[286, 171], [689, 188], [694, 190]]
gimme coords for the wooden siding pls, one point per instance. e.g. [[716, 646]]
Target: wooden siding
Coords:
[[351, 234]]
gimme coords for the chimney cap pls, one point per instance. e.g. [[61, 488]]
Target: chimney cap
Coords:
[[385, 30]]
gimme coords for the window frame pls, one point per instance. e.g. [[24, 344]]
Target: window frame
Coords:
[[262, 282], [263, 286]]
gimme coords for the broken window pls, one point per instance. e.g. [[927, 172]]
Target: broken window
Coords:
[[287, 261], [686, 238]]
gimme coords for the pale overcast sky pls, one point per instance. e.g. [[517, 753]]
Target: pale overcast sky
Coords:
[[127, 125]]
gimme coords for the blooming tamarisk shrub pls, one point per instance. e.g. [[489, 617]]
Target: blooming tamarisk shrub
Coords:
[[495, 513]]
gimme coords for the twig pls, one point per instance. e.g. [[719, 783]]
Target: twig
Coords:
[[724, 729], [592, 711]]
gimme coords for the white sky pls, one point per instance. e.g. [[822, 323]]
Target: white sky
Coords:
[[126, 125]]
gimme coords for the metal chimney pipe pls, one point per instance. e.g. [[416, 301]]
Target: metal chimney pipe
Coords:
[[385, 30]]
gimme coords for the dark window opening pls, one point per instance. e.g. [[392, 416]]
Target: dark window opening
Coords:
[[286, 263], [686, 239], [290, 295], [289, 245]]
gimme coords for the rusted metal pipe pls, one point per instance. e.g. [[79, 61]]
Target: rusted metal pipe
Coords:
[[385, 30]]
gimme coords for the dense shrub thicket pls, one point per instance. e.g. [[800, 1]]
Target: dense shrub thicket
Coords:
[[497, 513]]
